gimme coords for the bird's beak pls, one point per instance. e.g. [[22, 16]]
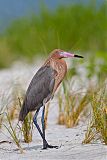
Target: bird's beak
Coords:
[[67, 55]]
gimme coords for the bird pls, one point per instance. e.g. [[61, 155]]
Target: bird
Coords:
[[43, 87]]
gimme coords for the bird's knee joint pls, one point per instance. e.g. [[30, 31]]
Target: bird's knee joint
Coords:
[[42, 120], [34, 120]]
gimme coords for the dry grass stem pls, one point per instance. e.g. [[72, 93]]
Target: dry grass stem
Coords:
[[12, 132], [46, 114], [99, 117]]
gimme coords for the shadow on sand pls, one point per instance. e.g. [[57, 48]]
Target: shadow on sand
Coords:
[[32, 148]]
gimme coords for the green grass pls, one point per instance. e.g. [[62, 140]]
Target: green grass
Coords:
[[76, 27], [97, 128], [72, 106], [12, 113], [27, 128], [12, 132]]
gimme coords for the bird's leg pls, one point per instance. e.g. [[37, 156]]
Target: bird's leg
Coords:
[[43, 121], [37, 126], [45, 144], [43, 128]]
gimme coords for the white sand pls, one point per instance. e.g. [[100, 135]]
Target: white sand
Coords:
[[68, 140]]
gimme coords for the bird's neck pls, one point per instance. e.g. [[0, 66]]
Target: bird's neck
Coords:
[[59, 65]]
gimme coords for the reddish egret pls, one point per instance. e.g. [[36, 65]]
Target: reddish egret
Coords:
[[43, 86]]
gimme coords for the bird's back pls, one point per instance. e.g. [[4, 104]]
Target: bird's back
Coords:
[[40, 87]]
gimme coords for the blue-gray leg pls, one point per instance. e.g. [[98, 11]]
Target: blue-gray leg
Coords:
[[43, 121], [37, 126], [45, 144]]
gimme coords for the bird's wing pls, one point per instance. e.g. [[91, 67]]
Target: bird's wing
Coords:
[[40, 87]]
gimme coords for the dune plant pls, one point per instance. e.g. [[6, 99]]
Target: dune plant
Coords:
[[1, 120], [12, 112], [72, 106], [27, 125], [61, 116], [1, 117], [97, 129], [4, 100], [79, 109], [74, 110], [12, 132], [17, 93], [89, 135], [27, 128], [46, 114]]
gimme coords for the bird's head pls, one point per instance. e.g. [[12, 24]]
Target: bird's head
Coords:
[[58, 53]]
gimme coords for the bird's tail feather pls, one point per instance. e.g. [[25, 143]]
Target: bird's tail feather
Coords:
[[23, 112]]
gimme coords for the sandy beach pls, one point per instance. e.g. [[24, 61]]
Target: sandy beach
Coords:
[[68, 140]]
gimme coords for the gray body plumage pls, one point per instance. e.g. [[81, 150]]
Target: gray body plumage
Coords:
[[39, 90]]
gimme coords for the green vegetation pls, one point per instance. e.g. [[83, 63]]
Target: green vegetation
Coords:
[[72, 106], [27, 125], [97, 128], [77, 28], [27, 128], [12, 132], [76, 106]]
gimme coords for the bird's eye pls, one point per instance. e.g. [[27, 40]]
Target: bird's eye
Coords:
[[61, 52]]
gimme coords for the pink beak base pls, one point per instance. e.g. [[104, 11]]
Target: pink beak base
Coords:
[[67, 55]]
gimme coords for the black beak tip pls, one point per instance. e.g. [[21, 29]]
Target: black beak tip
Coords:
[[78, 56]]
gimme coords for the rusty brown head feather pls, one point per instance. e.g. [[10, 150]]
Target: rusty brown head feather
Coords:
[[58, 54]]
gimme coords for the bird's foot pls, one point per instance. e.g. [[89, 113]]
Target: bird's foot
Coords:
[[46, 145]]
